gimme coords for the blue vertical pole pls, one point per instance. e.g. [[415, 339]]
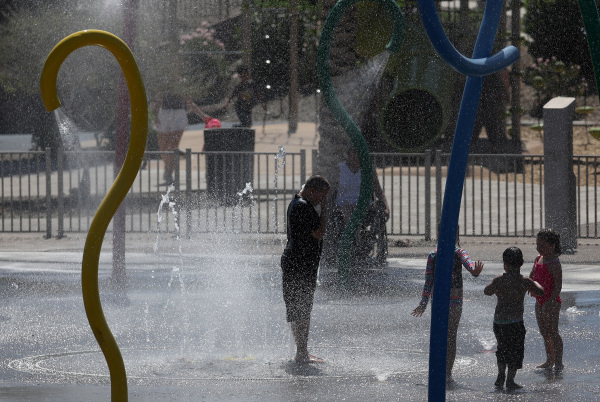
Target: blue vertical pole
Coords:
[[451, 207], [447, 239]]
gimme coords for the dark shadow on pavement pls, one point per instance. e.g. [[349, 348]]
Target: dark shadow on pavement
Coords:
[[302, 369]]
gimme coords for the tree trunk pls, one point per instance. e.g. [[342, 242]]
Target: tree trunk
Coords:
[[293, 95], [515, 77]]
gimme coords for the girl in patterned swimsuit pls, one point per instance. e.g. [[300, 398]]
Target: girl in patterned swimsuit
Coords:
[[461, 259], [547, 271]]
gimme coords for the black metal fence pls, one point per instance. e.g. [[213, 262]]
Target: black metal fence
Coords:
[[248, 192]]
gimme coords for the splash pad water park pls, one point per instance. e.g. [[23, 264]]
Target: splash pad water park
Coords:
[[210, 321]]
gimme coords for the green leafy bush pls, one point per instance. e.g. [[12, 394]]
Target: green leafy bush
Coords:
[[205, 73], [550, 78], [556, 29]]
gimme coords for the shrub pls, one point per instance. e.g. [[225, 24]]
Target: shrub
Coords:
[[552, 77], [556, 29], [205, 70]]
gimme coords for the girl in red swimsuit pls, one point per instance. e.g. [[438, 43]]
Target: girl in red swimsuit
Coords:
[[547, 271]]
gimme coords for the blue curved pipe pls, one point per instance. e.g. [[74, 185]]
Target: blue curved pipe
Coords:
[[475, 68], [479, 65]]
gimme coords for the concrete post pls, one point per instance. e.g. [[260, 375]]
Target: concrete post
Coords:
[[559, 179]]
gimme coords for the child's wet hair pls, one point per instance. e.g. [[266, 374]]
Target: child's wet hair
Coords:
[[457, 242], [317, 182], [513, 257], [551, 237]]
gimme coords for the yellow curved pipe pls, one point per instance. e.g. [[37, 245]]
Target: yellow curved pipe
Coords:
[[117, 192]]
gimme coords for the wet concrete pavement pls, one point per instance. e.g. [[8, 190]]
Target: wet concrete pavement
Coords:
[[208, 324]]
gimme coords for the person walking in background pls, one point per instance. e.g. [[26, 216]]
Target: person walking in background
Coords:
[[461, 259], [547, 271], [171, 121], [344, 198], [300, 260], [509, 329], [246, 95]]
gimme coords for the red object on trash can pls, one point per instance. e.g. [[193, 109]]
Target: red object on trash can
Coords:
[[211, 122]]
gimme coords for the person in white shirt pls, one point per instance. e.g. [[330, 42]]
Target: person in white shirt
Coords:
[[344, 197]]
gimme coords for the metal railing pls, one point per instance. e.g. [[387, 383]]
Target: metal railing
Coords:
[[503, 195], [586, 173]]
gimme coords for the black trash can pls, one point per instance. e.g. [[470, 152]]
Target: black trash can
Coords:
[[228, 171]]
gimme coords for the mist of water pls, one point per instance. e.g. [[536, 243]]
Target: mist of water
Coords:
[[177, 271], [356, 88], [68, 131], [245, 199], [214, 306], [279, 165], [165, 200]]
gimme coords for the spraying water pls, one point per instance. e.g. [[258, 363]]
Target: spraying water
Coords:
[[68, 130], [69, 133], [165, 199], [279, 165], [245, 196], [245, 199], [356, 88], [177, 273]]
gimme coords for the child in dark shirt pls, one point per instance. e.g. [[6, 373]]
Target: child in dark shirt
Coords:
[[510, 288], [300, 260]]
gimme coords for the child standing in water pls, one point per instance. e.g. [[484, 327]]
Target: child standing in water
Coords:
[[300, 260], [547, 271], [509, 329], [461, 259]]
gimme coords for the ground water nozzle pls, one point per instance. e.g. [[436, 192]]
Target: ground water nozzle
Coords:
[[349, 126], [475, 68], [116, 193]]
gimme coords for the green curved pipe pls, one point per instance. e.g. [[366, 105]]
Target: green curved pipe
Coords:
[[591, 20], [117, 192], [342, 116]]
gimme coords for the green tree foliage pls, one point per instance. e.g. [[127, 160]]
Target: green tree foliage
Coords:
[[204, 67], [550, 78], [88, 79], [84, 82], [270, 45], [556, 29]]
